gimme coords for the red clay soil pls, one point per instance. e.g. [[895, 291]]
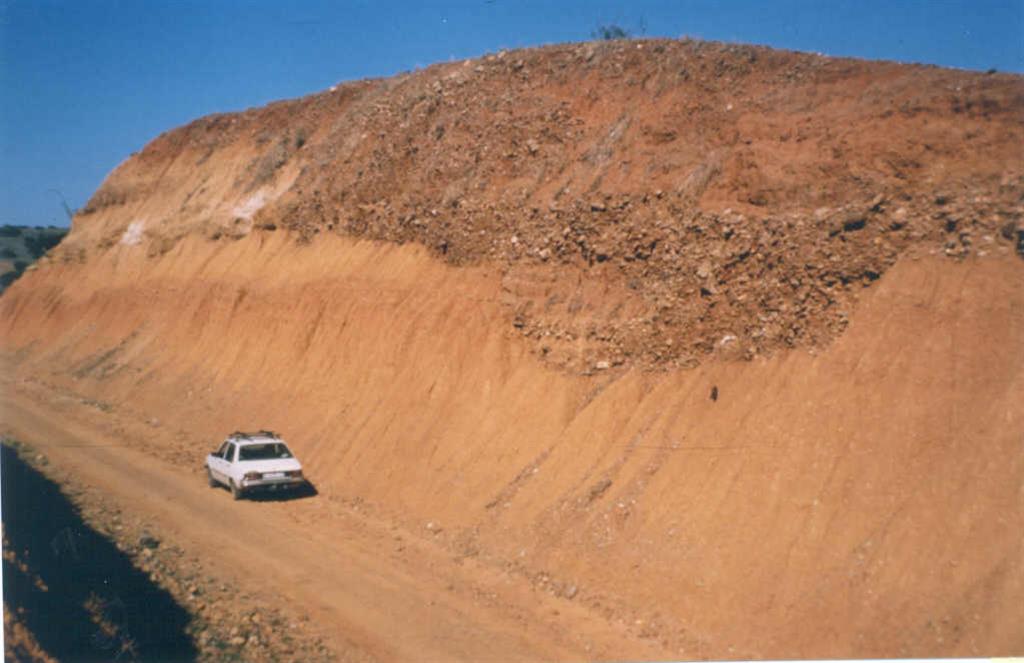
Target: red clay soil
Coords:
[[720, 342], [711, 192]]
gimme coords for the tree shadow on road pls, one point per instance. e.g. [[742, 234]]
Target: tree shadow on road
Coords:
[[78, 594]]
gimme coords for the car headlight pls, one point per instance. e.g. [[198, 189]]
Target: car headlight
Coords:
[[295, 474], [253, 476]]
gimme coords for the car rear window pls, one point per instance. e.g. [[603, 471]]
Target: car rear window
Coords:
[[263, 451]]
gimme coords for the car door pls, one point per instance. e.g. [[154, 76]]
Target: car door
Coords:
[[229, 462], [216, 462]]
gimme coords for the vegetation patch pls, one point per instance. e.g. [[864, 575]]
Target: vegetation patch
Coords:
[[20, 246]]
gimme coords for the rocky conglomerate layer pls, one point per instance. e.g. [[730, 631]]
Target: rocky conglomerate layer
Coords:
[[720, 198]]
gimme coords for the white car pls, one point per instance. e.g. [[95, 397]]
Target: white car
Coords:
[[248, 462]]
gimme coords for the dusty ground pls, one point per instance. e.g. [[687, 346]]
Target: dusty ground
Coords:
[[713, 350], [280, 575], [89, 577]]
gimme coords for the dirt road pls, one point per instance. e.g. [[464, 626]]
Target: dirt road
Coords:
[[376, 594]]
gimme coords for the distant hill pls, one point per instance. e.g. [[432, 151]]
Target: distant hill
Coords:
[[20, 246]]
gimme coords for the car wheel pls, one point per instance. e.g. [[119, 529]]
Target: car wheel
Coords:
[[210, 479], [236, 492]]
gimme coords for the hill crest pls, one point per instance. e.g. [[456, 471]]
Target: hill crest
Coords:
[[724, 199]]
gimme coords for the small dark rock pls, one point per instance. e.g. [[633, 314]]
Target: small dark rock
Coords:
[[598, 489], [759, 199], [149, 541], [854, 224]]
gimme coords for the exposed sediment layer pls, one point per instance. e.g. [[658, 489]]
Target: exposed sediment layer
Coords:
[[365, 270], [859, 501], [687, 198]]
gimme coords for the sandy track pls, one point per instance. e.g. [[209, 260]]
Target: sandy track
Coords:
[[370, 601]]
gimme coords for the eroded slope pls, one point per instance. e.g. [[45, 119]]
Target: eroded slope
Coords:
[[822, 505], [718, 197], [396, 274]]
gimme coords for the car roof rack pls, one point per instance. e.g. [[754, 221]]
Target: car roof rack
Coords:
[[241, 435]]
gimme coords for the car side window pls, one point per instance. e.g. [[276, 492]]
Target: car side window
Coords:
[[231, 453], [222, 451]]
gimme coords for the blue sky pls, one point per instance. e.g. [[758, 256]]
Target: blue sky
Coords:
[[85, 83]]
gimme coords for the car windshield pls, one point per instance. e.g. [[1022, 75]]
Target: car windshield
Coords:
[[263, 451]]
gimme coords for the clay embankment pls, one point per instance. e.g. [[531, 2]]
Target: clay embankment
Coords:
[[856, 497], [863, 501]]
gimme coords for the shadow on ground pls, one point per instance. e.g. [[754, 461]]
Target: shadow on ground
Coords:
[[304, 491], [77, 593]]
